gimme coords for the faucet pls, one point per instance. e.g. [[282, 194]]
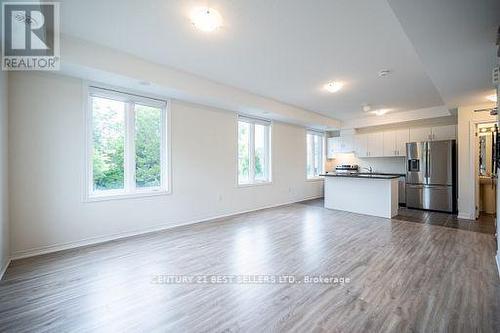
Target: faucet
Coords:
[[370, 169]]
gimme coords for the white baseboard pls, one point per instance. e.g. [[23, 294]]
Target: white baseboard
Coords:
[[466, 216], [101, 239], [3, 269]]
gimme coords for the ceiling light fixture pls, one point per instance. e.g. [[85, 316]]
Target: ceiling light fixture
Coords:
[[333, 86], [381, 112], [367, 107], [492, 98], [206, 19]]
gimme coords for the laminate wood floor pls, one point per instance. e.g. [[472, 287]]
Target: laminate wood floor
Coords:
[[403, 277]]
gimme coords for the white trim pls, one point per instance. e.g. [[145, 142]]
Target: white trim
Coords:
[[4, 268], [466, 216], [472, 163], [131, 99], [313, 153], [267, 160], [498, 263], [101, 239]]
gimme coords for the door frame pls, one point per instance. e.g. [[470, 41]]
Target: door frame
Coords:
[[473, 169]]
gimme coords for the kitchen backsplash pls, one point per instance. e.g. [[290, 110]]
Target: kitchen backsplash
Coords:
[[379, 164]]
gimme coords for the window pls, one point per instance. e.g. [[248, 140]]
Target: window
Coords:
[[315, 154], [254, 153], [127, 139]]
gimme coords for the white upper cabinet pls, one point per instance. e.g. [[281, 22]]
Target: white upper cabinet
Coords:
[[360, 146], [444, 132], [332, 146], [375, 144], [389, 146], [448, 132], [420, 134], [387, 143], [347, 144], [339, 144], [395, 142], [402, 138]]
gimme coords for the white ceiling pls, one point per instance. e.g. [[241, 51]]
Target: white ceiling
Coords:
[[455, 40], [285, 49]]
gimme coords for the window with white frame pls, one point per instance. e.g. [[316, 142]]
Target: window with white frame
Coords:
[[254, 152], [127, 144], [315, 154]]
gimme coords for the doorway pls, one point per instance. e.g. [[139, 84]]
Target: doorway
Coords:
[[486, 180]]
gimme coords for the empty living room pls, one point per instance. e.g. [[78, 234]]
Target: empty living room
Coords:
[[249, 166]]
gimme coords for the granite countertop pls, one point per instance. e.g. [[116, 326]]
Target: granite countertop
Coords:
[[373, 175]]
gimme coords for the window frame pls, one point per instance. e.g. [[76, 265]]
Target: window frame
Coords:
[[130, 189], [251, 163], [323, 154]]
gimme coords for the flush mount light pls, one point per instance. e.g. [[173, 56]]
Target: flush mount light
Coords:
[[492, 98], [381, 112], [333, 86], [206, 19]]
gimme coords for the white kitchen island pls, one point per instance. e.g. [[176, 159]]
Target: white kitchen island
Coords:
[[369, 194]]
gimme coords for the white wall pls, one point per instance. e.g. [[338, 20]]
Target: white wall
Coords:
[[4, 213], [46, 170], [466, 180], [85, 59]]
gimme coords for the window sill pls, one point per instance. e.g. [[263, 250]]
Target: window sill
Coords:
[[254, 184], [98, 198]]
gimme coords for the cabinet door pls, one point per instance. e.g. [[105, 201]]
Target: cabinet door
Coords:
[[444, 132], [332, 147], [347, 145], [360, 145], [420, 134], [375, 144], [389, 146], [402, 138]]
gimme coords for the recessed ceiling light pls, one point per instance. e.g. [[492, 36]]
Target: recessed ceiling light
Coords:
[[206, 19], [333, 86], [366, 107], [492, 98]]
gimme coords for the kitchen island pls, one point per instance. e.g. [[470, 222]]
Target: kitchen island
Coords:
[[363, 193]]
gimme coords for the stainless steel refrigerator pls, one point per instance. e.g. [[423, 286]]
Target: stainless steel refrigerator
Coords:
[[431, 175]]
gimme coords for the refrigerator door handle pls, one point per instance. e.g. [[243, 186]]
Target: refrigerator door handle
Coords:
[[428, 163], [425, 155]]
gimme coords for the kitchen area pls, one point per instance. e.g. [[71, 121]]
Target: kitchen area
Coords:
[[376, 171]]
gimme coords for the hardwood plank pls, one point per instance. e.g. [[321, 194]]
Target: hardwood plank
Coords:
[[405, 276]]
